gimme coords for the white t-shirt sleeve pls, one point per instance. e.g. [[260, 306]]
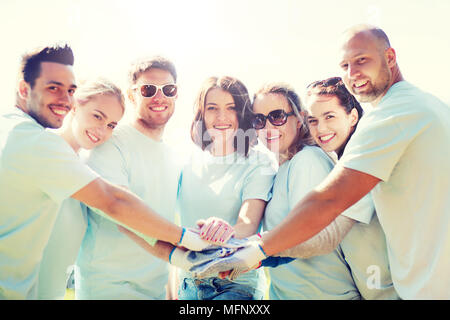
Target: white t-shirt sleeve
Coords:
[[50, 163], [361, 211], [380, 140], [259, 180], [308, 168]]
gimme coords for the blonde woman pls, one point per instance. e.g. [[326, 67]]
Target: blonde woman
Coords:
[[99, 105]]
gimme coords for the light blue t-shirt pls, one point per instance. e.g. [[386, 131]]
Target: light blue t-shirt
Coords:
[[363, 249], [217, 186], [110, 264], [38, 170], [405, 142]]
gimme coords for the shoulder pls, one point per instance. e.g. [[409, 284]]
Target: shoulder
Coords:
[[405, 101], [311, 155], [18, 123], [311, 162], [120, 141], [23, 139], [259, 158]]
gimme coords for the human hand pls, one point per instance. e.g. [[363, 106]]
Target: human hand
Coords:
[[215, 230], [190, 239], [187, 259], [233, 274], [242, 260]]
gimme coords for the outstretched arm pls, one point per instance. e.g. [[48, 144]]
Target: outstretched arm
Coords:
[[323, 242], [342, 188], [127, 208]]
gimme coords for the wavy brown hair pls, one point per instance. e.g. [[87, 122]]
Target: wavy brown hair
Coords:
[[246, 135]]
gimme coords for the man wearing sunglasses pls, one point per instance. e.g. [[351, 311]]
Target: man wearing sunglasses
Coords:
[[399, 153], [110, 265]]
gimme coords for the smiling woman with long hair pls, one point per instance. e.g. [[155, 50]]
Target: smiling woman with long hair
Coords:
[[226, 184], [99, 105], [321, 273]]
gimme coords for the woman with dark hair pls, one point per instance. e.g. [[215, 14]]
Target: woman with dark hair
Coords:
[[224, 184], [321, 273], [332, 116]]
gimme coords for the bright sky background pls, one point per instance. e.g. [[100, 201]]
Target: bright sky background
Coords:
[[256, 41]]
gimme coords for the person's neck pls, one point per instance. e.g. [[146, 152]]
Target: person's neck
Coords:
[[67, 134], [282, 158], [396, 77], [222, 149], [155, 134]]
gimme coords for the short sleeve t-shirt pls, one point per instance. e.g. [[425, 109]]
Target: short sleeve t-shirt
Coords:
[[321, 277], [110, 264], [38, 170], [217, 186], [405, 142]]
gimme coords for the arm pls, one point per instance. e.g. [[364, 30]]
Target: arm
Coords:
[[127, 208], [322, 243], [319, 208], [218, 231], [160, 250], [250, 215]]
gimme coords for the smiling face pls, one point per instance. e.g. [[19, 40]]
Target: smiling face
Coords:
[[51, 97], [220, 118], [94, 121], [153, 112], [329, 123], [277, 139], [363, 62]]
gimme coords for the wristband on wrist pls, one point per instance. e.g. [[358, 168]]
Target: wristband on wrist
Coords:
[[181, 238], [170, 254], [261, 248]]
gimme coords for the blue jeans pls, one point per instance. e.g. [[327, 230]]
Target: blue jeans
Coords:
[[216, 289]]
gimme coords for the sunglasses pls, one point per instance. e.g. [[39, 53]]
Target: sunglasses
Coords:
[[275, 117], [149, 90]]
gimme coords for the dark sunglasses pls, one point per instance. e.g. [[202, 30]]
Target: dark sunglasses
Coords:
[[275, 117], [149, 90]]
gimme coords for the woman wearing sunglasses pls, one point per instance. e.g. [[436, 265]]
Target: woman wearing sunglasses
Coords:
[[338, 262], [226, 183], [322, 272], [99, 105]]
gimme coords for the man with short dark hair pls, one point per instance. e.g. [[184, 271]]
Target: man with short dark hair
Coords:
[[38, 170]]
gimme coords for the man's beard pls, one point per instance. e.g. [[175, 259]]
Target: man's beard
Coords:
[[41, 119], [150, 123], [377, 89]]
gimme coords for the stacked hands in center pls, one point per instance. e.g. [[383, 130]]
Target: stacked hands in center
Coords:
[[211, 251]]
